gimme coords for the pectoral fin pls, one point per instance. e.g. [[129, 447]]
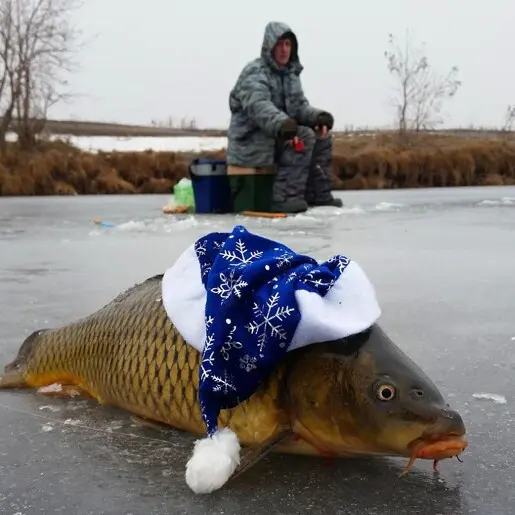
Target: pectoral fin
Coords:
[[145, 422], [254, 455]]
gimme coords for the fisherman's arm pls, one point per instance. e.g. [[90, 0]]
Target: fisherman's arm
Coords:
[[312, 116], [256, 99]]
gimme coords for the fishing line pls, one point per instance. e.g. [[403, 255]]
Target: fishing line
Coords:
[[81, 425]]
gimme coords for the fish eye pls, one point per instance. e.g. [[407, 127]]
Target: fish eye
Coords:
[[385, 392]]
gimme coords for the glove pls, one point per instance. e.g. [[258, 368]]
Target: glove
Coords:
[[288, 129], [326, 119]]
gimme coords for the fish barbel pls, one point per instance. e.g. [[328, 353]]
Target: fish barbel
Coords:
[[357, 396]]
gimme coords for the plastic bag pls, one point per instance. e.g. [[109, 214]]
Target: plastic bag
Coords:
[[183, 194]]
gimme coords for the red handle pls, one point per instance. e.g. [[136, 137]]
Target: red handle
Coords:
[[298, 144]]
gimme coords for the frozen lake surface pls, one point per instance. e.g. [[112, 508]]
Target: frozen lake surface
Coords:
[[443, 264]]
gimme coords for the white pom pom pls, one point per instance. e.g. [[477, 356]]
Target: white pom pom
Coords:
[[213, 462]]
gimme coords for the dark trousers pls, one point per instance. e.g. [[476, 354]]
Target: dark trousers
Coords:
[[306, 174]]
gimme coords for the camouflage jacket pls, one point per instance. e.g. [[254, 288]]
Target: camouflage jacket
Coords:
[[262, 98]]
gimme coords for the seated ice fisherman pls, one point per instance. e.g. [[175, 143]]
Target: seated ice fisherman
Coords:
[[268, 109]]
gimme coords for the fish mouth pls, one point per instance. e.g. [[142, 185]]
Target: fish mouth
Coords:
[[435, 448]]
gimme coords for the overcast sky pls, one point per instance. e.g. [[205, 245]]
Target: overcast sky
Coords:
[[162, 58]]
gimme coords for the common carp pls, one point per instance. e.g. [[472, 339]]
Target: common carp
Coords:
[[358, 396]]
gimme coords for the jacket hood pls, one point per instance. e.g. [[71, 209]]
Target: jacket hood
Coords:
[[274, 31]]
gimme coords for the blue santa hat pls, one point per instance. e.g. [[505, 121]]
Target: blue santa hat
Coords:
[[243, 301]]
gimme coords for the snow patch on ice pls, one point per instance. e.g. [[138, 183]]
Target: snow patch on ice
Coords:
[[53, 409], [498, 399], [71, 422], [388, 206], [166, 224], [503, 201]]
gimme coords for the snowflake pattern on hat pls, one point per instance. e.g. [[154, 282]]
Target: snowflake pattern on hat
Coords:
[[251, 312]]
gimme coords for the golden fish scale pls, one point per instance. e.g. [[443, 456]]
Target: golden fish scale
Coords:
[[130, 355]]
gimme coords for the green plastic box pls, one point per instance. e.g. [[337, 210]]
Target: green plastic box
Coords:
[[251, 188]]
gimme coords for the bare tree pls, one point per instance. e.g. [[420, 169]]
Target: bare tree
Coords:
[[509, 118], [37, 45], [421, 91], [168, 123], [186, 123]]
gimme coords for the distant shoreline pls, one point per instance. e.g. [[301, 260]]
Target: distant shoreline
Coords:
[[93, 128]]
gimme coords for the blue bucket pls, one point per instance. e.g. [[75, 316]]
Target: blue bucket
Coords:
[[211, 187]]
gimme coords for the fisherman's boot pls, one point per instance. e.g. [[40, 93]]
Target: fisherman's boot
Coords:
[[292, 173], [294, 205], [333, 202], [320, 179]]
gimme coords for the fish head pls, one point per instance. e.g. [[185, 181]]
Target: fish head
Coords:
[[362, 395]]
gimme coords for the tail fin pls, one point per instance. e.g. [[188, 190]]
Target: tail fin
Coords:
[[13, 375], [12, 379]]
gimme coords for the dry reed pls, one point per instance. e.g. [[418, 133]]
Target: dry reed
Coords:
[[374, 161]]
